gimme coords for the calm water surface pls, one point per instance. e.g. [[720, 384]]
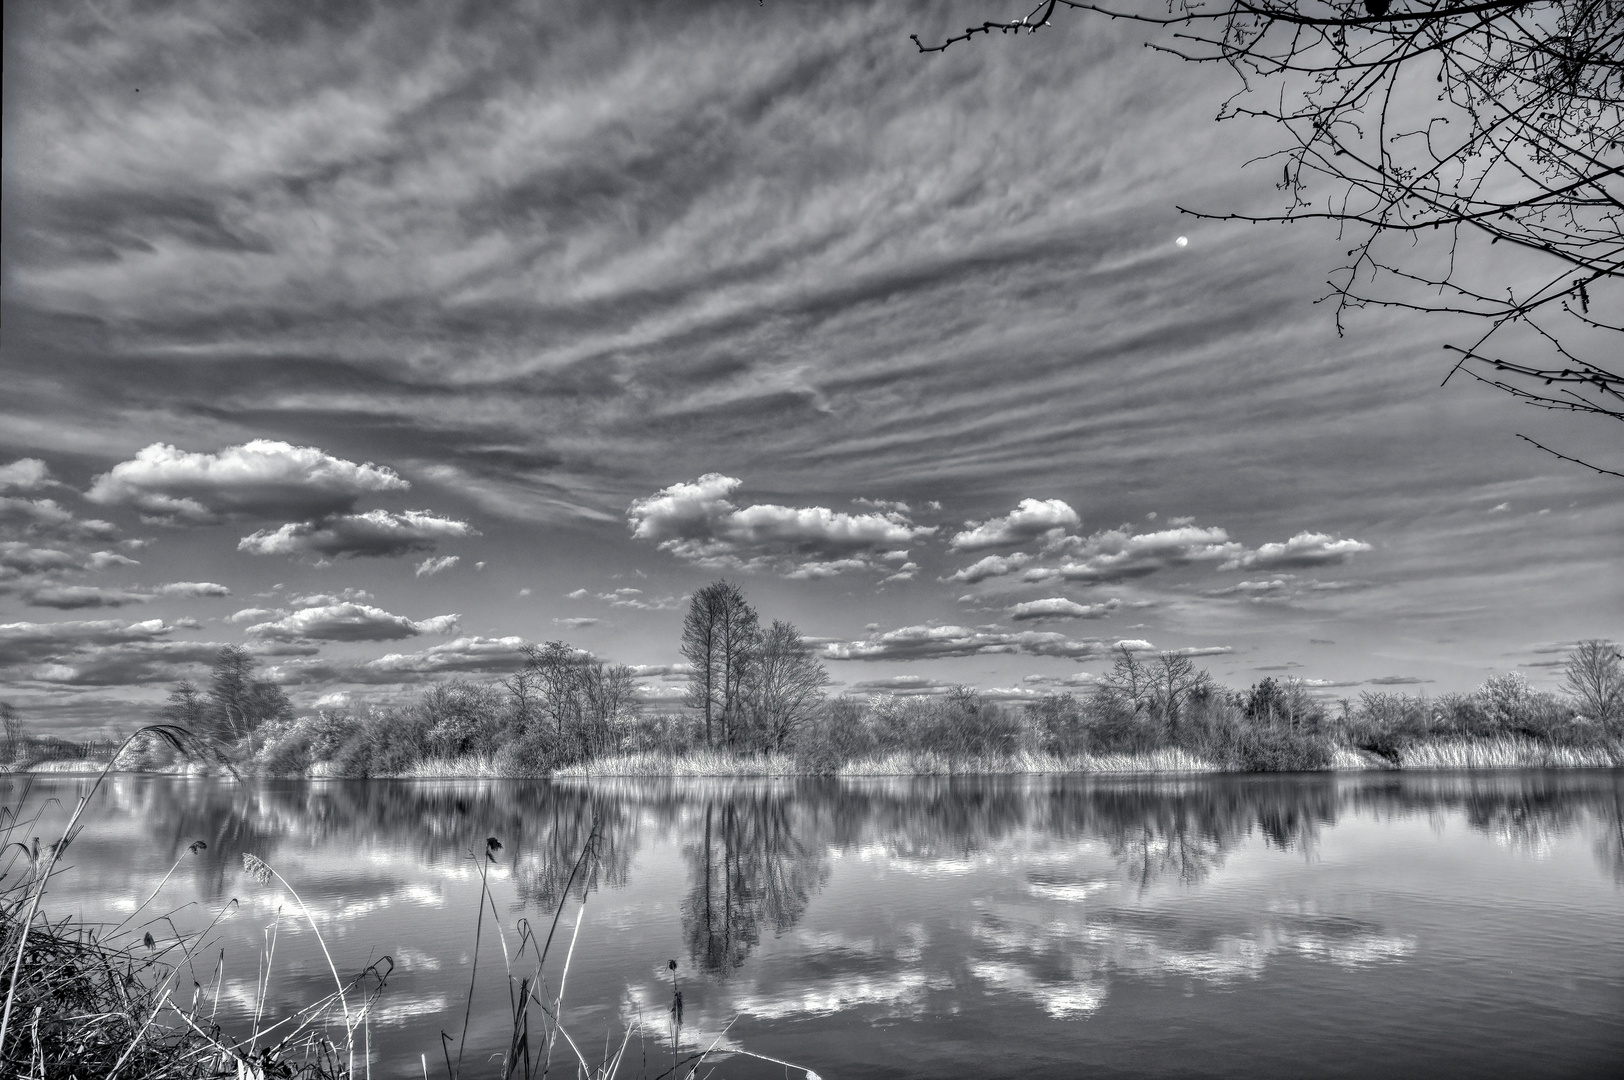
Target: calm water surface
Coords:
[[1376, 925]]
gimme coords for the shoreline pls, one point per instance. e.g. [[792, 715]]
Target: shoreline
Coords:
[[1487, 755]]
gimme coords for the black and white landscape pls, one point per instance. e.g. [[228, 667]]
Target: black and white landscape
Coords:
[[852, 471]]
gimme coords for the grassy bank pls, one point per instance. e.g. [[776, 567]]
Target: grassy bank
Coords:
[[1461, 754]]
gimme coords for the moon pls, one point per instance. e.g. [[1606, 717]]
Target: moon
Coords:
[[1182, 241]]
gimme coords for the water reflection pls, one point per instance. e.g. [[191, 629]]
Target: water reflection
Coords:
[[1038, 897]]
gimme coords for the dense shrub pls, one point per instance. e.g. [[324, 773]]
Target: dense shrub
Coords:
[[841, 732]]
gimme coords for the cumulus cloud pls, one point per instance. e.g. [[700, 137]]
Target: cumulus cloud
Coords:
[[432, 566], [18, 558], [77, 597], [349, 622], [1118, 554], [376, 534], [1032, 519], [473, 655], [72, 597], [1303, 550], [49, 518], [193, 588], [261, 478], [98, 653], [577, 623], [24, 474], [698, 523], [903, 686], [989, 567], [940, 642], [1058, 607]]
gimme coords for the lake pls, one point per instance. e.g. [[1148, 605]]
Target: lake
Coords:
[[1379, 924]]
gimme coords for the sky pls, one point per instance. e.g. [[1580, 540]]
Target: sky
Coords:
[[382, 339]]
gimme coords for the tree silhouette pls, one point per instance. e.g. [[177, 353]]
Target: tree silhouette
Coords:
[[1470, 151]]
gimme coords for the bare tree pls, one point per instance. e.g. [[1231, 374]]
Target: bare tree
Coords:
[[720, 637], [1129, 685], [1470, 150], [1595, 676], [1174, 680], [11, 733], [787, 686], [554, 672]]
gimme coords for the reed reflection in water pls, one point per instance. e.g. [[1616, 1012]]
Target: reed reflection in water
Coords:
[[1422, 924]]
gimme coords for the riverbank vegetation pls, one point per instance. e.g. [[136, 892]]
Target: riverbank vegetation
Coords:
[[755, 703]]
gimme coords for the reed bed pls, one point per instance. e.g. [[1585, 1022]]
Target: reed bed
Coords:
[[1507, 753], [1351, 759], [934, 763], [693, 763]]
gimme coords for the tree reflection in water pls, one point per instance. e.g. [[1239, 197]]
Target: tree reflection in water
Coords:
[[747, 868], [757, 852]]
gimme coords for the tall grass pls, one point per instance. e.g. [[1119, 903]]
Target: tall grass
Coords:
[[1507, 753], [692, 763], [82, 1000], [1170, 759]]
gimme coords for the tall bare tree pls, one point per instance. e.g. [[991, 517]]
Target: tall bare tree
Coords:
[[720, 638], [1470, 150]]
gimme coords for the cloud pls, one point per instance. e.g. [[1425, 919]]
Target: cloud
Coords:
[[991, 566], [1253, 588], [253, 614], [661, 671], [98, 653], [1058, 607], [627, 598], [18, 558], [462, 656], [75, 597], [47, 517], [430, 567], [1397, 680], [1118, 554], [375, 534], [699, 524], [941, 642], [1030, 520], [903, 686], [1304, 549], [349, 622], [193, 588], [24, 474], [261, 478], [577, 623]]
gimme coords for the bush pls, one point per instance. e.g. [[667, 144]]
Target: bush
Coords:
[[1281, 750], [840, 733]]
